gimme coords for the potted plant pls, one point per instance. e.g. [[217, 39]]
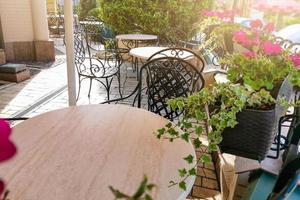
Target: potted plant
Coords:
[[244, 113], [220, 26]]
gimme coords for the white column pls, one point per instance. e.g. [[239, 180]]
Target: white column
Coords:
[[39, 19], [69, 38]]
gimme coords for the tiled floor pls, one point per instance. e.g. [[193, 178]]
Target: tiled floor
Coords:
[[47, 91]]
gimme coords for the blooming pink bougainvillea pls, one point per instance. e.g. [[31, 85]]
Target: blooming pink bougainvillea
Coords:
[[256, 24], [271, 49], [7, 148], [227, 15], [241, 37], [296, 60], [249, 54], [270, 27]]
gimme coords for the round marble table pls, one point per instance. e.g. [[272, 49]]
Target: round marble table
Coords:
[[95, 23], [144, 53], [138, 37], [77, 152], [132, 40]]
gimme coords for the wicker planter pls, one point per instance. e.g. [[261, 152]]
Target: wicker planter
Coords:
[[256, 130], [253, 136]]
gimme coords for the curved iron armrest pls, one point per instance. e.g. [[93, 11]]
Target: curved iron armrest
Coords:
[[215, 71], [137, 91], [102, 65]]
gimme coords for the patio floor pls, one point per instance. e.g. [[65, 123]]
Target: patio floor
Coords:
[[46, 90]]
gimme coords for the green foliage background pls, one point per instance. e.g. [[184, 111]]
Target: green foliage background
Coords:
[[85, 7], [150, 16]]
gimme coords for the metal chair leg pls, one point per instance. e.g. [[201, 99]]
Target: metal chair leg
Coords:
[[79, 87], [108, 85], [119, 82], [91, 81]]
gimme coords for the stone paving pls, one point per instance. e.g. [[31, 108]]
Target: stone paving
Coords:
[[47, 91]]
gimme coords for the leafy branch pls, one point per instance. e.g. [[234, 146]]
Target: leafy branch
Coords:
[[209, 112], [142, 193]]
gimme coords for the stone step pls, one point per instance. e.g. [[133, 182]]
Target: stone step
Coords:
[[14, 72]]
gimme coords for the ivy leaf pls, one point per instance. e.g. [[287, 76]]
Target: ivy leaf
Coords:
[[189, 159], [148, 197], [193, 172], [187, 125], [185, 137], [199, 130], [172, 132], [182, 185], [160, 132], [199, 115], [117, 193], [212, 147], [141, 189], [150, 186], [182, 172], [205, 158], [180, 105], [197, 143], [169, 125]]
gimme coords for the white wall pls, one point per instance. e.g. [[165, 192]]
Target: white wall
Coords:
[[16, 18]]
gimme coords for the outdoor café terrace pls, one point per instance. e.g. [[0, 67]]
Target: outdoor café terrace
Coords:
[[144, 100]]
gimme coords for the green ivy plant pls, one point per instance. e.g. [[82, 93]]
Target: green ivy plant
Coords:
[[142, 193], [217, 108]]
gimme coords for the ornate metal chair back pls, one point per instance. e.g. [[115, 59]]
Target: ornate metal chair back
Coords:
[[182, 53], [80, 52], [168, 78]]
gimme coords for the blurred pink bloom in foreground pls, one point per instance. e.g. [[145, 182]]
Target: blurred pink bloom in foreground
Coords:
[[7, 148]]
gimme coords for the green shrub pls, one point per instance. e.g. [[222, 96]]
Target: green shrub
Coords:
[[85, 7], [151, 16]]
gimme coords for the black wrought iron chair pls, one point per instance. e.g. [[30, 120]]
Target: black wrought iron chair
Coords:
[[102, 70], [56, 24], [162, 79], [172, 37], [100, 37], [182, 53]]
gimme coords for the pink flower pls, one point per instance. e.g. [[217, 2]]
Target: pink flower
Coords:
[[7, 148], [2, 186], [208, 13], [249, 54], [270, 27], [271, 49], [241, 37], [296, 60], [255, 24]]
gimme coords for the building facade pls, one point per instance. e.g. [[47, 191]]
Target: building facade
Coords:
[[24, 29]]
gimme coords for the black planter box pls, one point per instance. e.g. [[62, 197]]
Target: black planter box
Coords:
[[254, 134]]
